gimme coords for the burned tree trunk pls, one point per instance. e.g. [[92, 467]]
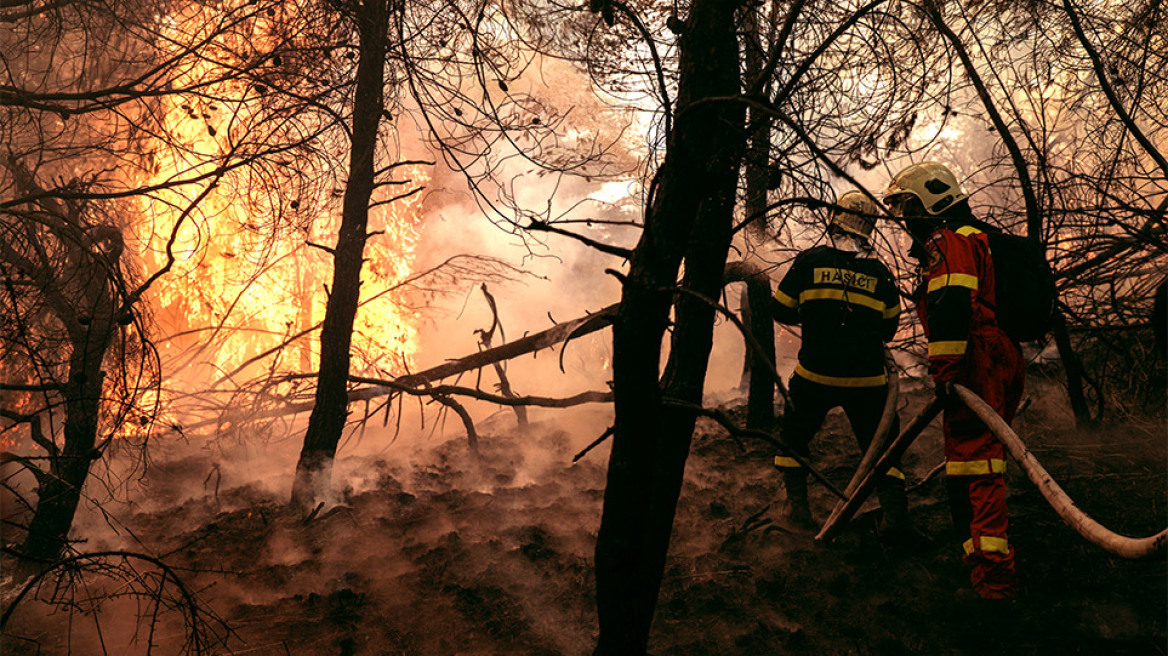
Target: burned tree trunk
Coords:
[[760, 412], [756, 311], [72, 270], [689, 216], [757, 173], [1073, 368], [59, 490], [325, 425]]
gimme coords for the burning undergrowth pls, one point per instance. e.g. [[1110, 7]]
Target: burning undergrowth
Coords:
[[438, 550]]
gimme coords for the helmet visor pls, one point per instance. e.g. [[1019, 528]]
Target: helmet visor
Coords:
[[896, 204], [905, 206]]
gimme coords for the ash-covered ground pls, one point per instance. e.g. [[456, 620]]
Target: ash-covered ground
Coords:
[[432, 550]]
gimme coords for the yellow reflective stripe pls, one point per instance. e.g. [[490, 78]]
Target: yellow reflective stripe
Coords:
[[895, 473], [855, 298], [997, 545], [789, 463], [975, 467], [988, 543], [785, 299], [953, 280], [947, 348], [966, 231], [892, 311], [840, 381]]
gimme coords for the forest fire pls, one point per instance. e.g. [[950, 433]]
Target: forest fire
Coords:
[[253, 290], [224, 297], [252, 265]]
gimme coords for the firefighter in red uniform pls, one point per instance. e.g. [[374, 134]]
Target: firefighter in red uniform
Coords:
[[848, 305], [966, 346]]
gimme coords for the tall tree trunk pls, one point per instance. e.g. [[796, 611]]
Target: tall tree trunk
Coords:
[[79, 291], [760, 408], [314, 470], [689, 216], [60, 489]]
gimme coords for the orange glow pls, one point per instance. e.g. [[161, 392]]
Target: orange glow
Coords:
[[245, 279]]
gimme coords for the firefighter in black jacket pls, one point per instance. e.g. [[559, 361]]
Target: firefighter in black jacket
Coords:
[[848, 305]]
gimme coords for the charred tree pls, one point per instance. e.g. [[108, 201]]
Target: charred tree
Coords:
[[68, 270], [116, 123], [689, 216], [59, 489], [1073, 369], [325, 425], [757, 178]]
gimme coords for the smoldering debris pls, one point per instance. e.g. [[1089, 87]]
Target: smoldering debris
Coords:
[[430, 549]]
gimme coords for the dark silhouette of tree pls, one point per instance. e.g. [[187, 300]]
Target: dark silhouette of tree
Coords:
[[758, 116], [689, 218], [456, 69], [325, 425], [64, 310]]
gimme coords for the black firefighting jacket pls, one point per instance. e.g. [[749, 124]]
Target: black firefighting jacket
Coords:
[[848, 306]]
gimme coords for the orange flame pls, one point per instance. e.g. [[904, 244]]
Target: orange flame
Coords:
[[241, 287]]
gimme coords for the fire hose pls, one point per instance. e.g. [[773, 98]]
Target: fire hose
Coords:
[[845, 510], [880, 437], [1094, 532]]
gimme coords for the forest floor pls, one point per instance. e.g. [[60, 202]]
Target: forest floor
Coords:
[[445, 553]]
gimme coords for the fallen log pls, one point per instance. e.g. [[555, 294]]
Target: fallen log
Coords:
[[559, 333], [531, 343], [1099, 535], [475, 393], [522, 346]]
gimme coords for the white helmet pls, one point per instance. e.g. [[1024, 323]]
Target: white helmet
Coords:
[[931, 183]]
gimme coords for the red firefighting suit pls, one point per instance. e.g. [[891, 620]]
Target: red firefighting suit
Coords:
[[967, 347]]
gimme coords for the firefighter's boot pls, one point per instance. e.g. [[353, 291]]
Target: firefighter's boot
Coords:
[[797, 510], [895, 526]]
